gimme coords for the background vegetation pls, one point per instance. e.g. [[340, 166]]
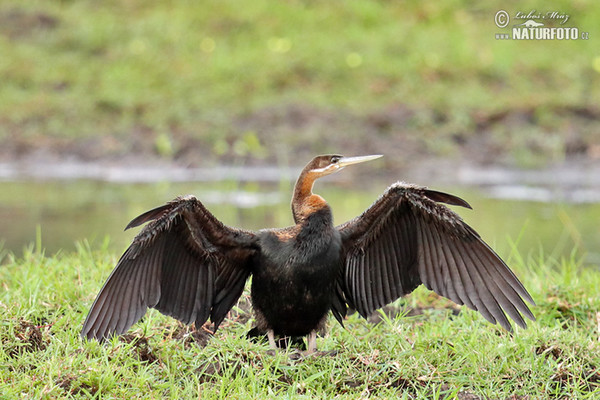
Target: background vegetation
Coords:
[[222, 80]]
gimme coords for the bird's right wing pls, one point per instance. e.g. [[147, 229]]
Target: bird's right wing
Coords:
[[185, 263], [407, 238]]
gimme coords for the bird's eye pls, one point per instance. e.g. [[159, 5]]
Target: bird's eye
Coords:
[[335, 159]]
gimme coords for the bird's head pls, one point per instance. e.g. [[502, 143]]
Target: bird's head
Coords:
[[304, 201], [330, 163]]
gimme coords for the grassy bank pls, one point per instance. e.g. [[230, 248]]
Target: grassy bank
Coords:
[[422, 348], [231, 79]]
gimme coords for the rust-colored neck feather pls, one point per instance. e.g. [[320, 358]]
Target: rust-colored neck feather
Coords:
[[305, 202]]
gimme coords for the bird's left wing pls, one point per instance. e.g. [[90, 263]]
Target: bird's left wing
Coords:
[[407, 238], [185, 263]]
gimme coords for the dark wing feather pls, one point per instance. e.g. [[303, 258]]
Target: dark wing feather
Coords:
[[406, 238], [185, 263]]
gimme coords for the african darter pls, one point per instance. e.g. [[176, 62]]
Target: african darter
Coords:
[[189, 265]]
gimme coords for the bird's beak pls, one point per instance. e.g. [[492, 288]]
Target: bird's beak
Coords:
[[344, 161]]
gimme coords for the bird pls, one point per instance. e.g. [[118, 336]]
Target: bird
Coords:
[[189, 265]]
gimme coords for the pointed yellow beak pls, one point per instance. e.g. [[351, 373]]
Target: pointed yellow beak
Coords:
[[345, 161]]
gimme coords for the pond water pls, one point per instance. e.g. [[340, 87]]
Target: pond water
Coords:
[[68, 211]]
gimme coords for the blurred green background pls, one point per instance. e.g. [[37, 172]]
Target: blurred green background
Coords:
[[273, 83], [281, 80]]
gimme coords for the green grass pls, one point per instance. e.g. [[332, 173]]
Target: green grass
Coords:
[[172, 72], [44, 299]]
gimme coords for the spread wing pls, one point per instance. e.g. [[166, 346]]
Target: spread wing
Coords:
[[185, 263], [407, 238]]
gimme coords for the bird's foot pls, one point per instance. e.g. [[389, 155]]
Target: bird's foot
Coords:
[[271, 337], [311, 348]]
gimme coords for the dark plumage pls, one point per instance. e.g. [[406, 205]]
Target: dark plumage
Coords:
[[188, 265]]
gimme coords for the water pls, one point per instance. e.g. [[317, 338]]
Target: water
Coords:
[[70, 211]]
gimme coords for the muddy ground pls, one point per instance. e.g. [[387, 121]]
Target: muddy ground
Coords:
[[411, 139]]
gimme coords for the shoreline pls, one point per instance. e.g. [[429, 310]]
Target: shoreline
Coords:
[[575, 181]]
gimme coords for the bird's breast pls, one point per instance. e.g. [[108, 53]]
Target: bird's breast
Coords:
[[315, 240], [294, 278], [301, 252]]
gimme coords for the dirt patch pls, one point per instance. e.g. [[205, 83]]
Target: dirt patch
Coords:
[[213, 369], [72, 385], [141, 348], [299, 132], [411, 134], [547, 350], [189, 335], [17, 24], [291, 134], [586, 378], [564, 379], [210, 371], [406, 386], [28, 338]]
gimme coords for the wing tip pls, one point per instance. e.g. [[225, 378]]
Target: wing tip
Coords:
[[442, 197], [155, 213], [88, 335]]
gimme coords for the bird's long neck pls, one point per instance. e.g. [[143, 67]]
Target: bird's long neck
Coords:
[[305, 202]]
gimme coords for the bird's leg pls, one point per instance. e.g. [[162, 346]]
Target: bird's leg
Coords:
[[271, 336], [312, 343]]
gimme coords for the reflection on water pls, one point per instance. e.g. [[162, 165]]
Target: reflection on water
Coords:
[[71, 211]]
